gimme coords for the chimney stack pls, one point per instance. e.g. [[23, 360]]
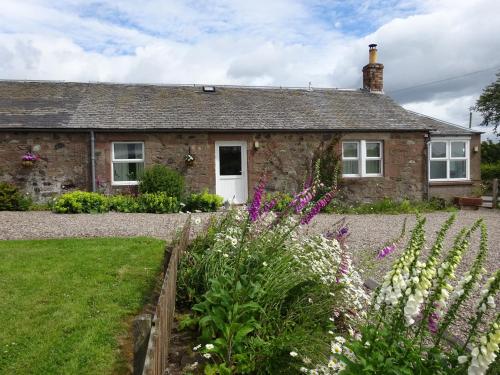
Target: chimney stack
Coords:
[[373, 72]]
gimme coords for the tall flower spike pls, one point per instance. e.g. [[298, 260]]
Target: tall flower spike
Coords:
[[322, 203], [254, 209]]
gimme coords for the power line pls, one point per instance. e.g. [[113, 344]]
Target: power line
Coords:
[[444, 80]]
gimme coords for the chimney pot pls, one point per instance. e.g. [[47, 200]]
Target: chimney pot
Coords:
[[373, 71]]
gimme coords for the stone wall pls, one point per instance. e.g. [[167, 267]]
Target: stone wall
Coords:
[[63, 164], [286, 157]]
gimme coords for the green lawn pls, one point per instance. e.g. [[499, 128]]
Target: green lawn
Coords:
[[65, 305]]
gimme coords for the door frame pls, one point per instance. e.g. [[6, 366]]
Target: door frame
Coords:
[[244, 165]]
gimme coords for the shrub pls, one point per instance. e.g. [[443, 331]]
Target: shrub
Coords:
[[157, 203], [489, 171], [124, 203], [204, 202], [160, 179], [11, 199], [78, 202], [282, 200]]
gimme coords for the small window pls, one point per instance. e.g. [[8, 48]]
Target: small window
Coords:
[[127, 162], [350, 158], [362, 159], [449, 160]]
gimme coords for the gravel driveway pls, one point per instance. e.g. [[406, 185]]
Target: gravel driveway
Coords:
[[368, 232]]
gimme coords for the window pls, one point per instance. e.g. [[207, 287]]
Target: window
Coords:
[[449, 160], [362, 159], [128, 162]]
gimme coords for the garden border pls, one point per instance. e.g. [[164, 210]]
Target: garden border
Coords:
[[153, 358]]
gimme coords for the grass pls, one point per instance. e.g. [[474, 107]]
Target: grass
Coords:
[[65, 305], [389, 206]]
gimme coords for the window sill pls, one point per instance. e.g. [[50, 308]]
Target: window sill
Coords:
[[125, 183], [361, 177], [450, 183]]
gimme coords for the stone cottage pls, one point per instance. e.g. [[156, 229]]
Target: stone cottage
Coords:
[[100, 136]]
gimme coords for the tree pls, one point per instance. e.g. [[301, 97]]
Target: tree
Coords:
[[488, 105]]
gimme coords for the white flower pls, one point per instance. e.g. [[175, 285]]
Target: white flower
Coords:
[[197, 347], [463, 359], [264, 264], [234, 241], [340, 339], [225, 255], [336, 348], [197, 221], [207, 355], [209, 346], [294, 354]]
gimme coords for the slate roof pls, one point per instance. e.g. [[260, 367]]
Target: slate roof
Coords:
[[66, 105]]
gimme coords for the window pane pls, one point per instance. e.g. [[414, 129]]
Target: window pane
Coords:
[[373, 167], [458, 149], [350, 167], [128, 151], [372, 149], [438, 149], [438, 169], [230, 160], [127, 171], [458, 168], [350, 149]]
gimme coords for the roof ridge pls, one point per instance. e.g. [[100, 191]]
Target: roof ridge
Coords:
[[194, 85]]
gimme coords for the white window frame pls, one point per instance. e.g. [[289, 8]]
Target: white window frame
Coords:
[[448, 158], [113, 161], [362, 158]]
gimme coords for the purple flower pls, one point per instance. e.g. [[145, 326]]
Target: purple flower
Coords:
[[301, 200], [254, 209], [268, 206], [29, 156], [386, 251], [433, 322], [322, 203]]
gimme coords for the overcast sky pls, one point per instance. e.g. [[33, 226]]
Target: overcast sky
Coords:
[[262, 42]]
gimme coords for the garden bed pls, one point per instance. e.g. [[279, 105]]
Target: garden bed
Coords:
[[66, 305]]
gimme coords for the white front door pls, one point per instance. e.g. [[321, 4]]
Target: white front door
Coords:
[[231, 171]]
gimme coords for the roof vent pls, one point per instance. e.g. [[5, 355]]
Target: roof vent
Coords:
[[208, 88]]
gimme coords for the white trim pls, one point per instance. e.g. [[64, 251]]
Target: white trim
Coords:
[[244, 167], [448, 158], [362, 158], [118, 161]]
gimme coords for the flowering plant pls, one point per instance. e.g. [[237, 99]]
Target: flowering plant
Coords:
[[267, 297], [188, 158], [30, 156], [416, 304]]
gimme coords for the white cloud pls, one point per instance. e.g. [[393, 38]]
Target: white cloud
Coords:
[[281, 42]]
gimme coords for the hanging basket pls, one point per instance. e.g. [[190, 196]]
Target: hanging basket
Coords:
[[28, 163]]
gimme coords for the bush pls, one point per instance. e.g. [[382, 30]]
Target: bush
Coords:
[[204, 202], [157, 203], [160, 179], [78, 202], [489, 171], [124, 203], [388, 206], [283, 200], [11, 199]]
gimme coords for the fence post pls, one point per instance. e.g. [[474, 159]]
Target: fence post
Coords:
[[494, 198], [141, 330]]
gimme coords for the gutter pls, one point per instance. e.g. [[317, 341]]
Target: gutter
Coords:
[[92, 160]]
